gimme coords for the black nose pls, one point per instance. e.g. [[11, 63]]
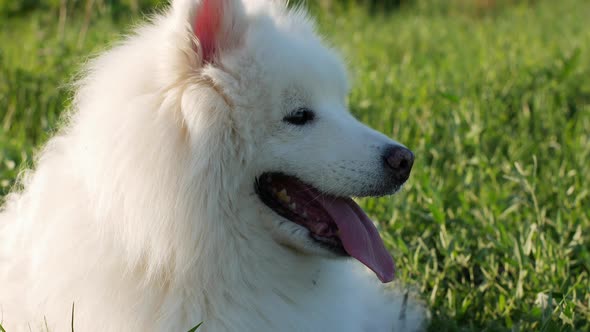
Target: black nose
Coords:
[[400, 161]]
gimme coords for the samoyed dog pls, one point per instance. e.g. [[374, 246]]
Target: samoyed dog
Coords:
[[204, 175]]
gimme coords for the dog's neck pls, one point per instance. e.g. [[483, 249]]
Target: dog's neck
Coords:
[[241, 238]]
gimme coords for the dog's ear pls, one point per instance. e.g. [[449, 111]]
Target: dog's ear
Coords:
[[218, 26]]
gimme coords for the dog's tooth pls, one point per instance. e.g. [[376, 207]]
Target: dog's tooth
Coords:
[[304, 214], [293, 206], [282, 195]]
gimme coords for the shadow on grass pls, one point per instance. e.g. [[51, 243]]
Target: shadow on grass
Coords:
[[444, 323]]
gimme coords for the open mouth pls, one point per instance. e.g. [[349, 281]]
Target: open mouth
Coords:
[[336, 223]]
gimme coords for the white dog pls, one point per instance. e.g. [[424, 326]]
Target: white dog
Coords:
[[204, 176]]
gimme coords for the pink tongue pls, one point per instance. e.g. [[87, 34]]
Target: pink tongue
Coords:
[[360, 237]]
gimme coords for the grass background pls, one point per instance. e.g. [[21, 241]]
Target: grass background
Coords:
[[493, 229]]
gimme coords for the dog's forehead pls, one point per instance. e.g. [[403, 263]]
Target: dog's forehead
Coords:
[[298, 61]]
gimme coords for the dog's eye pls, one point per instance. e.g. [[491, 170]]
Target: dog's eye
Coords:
[[300, 116]]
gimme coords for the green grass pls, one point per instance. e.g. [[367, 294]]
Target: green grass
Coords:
[[494, 102]]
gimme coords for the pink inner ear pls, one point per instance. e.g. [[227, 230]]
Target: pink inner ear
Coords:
[[207, 26]]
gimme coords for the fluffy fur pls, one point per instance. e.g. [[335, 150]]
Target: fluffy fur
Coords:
[[142, 212]]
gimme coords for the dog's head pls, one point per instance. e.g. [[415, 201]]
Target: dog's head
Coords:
[[276, 96]]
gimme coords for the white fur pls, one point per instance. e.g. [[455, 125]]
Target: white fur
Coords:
[[141, 211]]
